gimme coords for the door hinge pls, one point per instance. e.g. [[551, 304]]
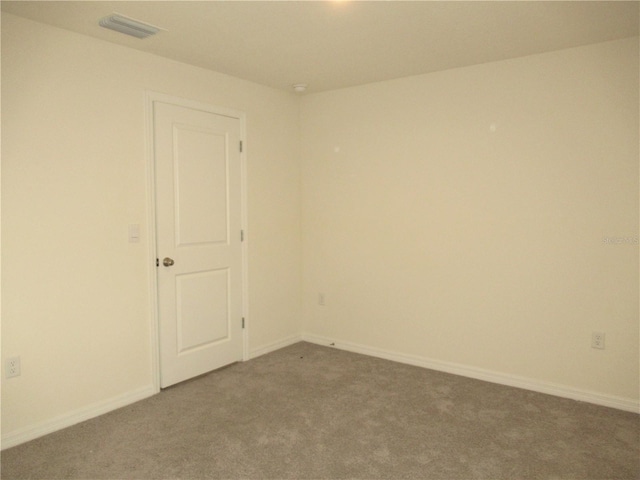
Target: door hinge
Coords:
[[242, 322], [157, 262], [242, 235], [240, 146]]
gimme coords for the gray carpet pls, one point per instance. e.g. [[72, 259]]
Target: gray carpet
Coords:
[[308, 411]]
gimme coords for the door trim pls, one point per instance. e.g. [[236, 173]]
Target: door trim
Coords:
[[150, 97]]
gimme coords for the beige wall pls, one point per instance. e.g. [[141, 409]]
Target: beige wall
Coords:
[[460, 216], [75, 293]]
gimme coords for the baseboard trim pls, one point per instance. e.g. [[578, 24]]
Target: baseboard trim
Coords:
[[32, 432], [596, 398], [272, 347]]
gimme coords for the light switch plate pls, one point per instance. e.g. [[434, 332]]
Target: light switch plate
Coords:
[[134, 233]]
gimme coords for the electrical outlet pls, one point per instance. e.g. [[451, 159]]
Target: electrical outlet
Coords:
[[13, 367], [321, 299], [597, 340]]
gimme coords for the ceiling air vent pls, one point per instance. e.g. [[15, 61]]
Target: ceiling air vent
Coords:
[[128, 26]]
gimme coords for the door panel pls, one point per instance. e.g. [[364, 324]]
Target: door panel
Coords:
[[202, 309], [200, 163], [198, 179]]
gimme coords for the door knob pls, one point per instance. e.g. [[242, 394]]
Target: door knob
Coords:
[[167, 262]]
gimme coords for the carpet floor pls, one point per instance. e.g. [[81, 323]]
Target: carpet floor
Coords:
[[313, 412]]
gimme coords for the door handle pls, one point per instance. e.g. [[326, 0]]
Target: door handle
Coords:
[[167, 262]]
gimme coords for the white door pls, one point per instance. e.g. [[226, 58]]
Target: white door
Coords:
[[198, 232]]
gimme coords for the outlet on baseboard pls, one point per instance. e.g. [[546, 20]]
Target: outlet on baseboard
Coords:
[[13, 367], [597, 340]]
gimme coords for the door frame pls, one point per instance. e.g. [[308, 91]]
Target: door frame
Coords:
[[150, 97]]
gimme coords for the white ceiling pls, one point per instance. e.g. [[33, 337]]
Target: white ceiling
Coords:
[[338, 44]]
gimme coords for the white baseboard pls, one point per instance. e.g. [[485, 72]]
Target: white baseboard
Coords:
[[272, 347], [11, 439], [31, 432], [627, 404]]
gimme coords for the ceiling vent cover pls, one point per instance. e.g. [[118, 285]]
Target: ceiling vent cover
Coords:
[[128, 26]]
